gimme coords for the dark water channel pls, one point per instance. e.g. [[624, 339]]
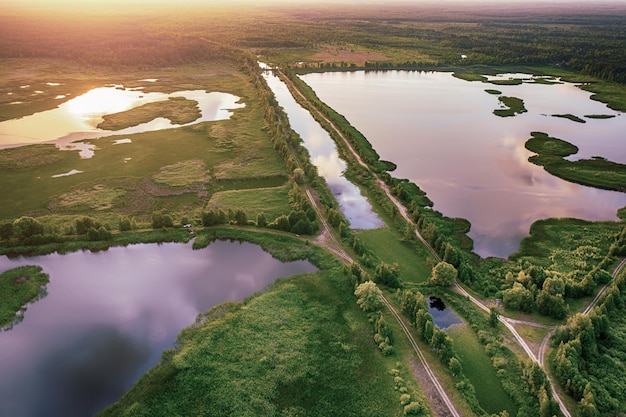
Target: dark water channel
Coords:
[[109, 315], [443, 317]]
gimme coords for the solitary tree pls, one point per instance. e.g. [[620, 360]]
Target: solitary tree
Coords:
[[368, 296], [443, 274], [493, 316], [298, 175], [261, 220], [25, 227]]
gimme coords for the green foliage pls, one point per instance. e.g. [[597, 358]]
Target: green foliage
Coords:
[[368, 296], [261, 220], [518, 298], [494, 316], [570, 117], [443, 274], [589, 358], [26, 227], [514, 106], [6, 230], [18, 287], [595, 172], [387, 275], [161, 220]]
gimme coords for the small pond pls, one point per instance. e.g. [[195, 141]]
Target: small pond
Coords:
[[325, 157], [109, 315], [443, 317]]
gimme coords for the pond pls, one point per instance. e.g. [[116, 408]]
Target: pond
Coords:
[[443, 135], [443, 317], [325, 157], [109, 315], [78, 118]]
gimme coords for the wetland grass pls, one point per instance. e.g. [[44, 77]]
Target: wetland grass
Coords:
[[18, 287], [595, 172]]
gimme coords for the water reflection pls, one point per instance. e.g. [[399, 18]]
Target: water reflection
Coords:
[[325, 157], [77, 118], [441, 133], [109, 315], [442, 317]]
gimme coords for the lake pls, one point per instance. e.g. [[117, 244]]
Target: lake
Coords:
[[325, 157], [109, 315], [78, 118], [443, 135]]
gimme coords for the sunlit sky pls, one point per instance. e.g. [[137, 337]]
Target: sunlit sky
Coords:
[[225, 2]]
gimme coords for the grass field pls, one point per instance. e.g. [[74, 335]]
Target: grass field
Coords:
[[478, 369], [513, 105], [273, 202], [595, 172], [413, 266], [148, 171]]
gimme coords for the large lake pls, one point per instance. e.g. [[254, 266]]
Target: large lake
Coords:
[[443, 135], [109, 315]]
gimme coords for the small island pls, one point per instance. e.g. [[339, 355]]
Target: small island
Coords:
[[178, 110], [595, 172], [19, 287]]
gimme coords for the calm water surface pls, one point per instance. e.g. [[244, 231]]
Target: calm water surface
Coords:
[[325, 157], [441, 133], [78, 118], [109, 315], [443, 317]]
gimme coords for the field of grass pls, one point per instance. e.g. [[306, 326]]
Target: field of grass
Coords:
[[571, 117], [178, 110], [478, 369], [273, 202], [413, 265], [18, 287], [153, 169]]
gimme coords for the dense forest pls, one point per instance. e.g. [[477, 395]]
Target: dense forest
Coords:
[[586, 39]]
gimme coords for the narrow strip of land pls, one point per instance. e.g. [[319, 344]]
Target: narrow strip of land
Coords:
[[507, 322], [328, 240]]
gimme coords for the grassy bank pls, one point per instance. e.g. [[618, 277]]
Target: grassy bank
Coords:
[[478, 369], [19, 287], [301, 347]]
